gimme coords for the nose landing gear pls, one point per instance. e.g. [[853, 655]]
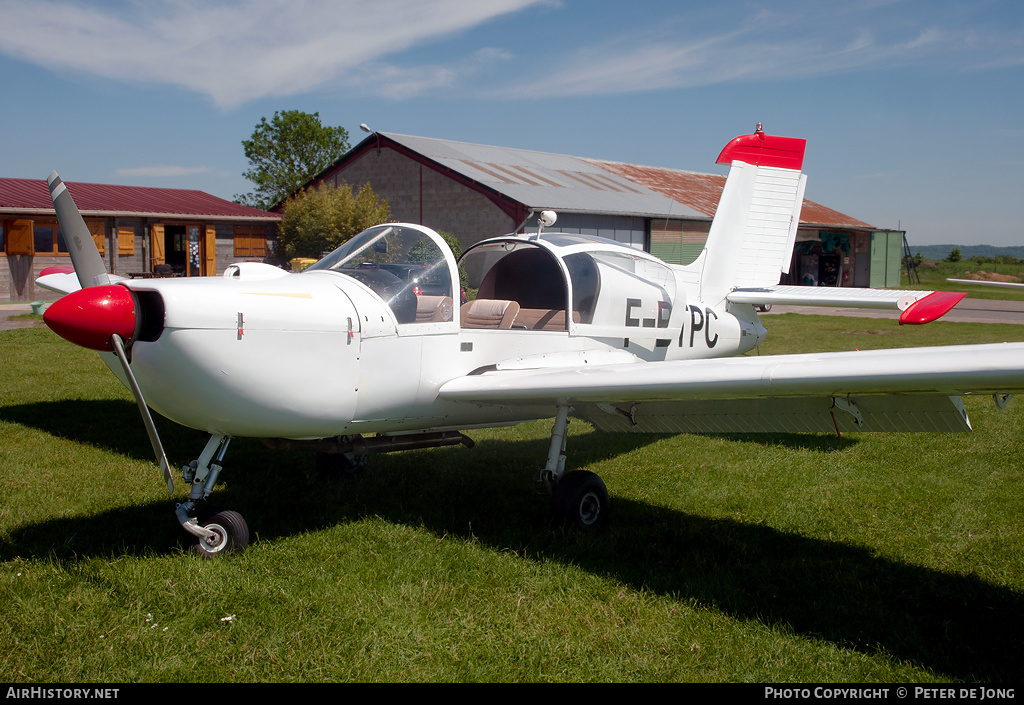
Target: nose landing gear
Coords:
[[217, 531]]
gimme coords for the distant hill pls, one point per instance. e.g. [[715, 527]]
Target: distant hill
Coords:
[[937, 252]]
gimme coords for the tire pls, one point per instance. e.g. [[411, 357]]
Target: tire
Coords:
[[232, 534], [580, 501]]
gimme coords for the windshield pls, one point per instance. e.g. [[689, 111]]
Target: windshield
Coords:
[[400, 264]]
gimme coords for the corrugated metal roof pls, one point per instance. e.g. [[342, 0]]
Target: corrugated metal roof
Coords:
[[702, 192], [544, 180], [574, 184], [33, 196]]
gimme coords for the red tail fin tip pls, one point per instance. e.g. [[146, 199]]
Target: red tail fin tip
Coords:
[[761, 149]]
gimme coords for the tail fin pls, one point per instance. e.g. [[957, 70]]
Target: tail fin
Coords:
[[751, 239]]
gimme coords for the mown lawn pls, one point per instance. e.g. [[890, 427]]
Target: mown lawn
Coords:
[[777, 558]]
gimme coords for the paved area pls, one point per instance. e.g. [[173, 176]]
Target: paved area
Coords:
[[9, 312]]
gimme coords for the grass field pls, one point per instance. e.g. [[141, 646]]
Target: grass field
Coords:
[[778, 558]]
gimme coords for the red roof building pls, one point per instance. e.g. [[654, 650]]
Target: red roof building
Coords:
[[139, 231]]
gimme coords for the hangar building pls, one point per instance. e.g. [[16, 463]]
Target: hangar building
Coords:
[[477, 191]]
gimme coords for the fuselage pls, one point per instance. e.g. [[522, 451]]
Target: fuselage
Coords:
[[362, 343]]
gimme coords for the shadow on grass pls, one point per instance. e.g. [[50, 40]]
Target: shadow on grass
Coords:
[[956, 625], [110, 424]]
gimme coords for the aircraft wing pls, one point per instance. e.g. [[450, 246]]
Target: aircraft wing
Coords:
[[63, 280], [915, 389], [917, 306]]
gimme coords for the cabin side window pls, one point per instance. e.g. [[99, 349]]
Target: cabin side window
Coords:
[[630, 291]]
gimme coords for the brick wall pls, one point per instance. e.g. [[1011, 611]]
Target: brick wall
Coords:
[[445, 204]]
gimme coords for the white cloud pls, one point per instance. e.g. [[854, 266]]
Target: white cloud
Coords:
[[161, 171], [234, 52], [770, 45]]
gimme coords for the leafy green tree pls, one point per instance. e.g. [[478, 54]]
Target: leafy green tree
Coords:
[[319, 220], [955, 255], [286, 152]]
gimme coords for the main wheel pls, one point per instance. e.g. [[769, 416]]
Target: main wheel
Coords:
[[231, 534], [580, 501]]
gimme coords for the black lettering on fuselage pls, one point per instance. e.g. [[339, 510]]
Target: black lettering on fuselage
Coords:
[[630, 305], [696, 322], [700, 320], [709, 314], [664, 313]]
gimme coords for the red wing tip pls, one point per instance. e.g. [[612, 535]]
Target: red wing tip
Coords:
[[58, 269], [931, 307]]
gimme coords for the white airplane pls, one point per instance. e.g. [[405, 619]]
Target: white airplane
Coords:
[[380, 357]]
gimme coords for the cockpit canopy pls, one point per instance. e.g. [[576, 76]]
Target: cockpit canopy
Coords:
[[595, 280], [557, 282], [403, 264]]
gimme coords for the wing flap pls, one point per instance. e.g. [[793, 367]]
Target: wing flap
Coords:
[[888, 413]]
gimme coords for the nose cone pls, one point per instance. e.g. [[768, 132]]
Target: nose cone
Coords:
[[89, 317]]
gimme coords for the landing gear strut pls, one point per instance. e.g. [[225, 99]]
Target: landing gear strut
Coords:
[[579, 500], [217, 531]]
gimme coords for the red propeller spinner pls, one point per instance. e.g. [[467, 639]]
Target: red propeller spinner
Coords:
[[88, 317]]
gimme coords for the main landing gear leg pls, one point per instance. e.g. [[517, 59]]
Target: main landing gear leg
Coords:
[[218, 531], [579, 499]]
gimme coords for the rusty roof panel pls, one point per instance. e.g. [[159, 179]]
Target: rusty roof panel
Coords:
[[702, 192], [489, 172]]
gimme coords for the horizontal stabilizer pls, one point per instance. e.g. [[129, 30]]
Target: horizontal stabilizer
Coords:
[[921, 306]]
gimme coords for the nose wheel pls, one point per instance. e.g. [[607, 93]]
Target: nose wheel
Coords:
[[227, 533]]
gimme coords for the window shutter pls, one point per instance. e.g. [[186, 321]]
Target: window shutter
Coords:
[[20, 238], [156, 245], [211, 250], [126, 241], [99, 237]]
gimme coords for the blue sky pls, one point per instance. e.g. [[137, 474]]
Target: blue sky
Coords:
[[911, 109]]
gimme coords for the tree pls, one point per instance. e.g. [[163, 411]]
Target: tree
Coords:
[[319, 220], [286, 152], [954, 255]]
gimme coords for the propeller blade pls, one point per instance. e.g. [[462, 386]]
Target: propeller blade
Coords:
[[84, 255], [154, 437]]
